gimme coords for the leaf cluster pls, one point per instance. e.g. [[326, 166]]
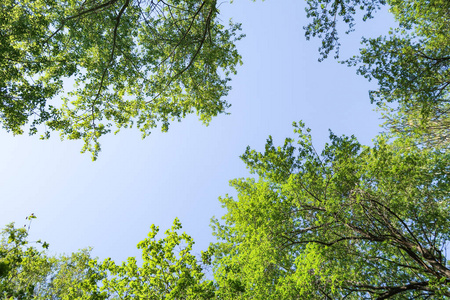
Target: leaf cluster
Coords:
[[352, 222], [134, 62]]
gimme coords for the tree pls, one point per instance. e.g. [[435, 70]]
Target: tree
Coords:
[[410, 63], [168, 271], [411, 66], [134, 62], [27, 272], [22, 268], [325, 15], [353, 222], [350, 222]]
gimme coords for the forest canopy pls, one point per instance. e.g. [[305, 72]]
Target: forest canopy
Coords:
[[348, 221], [133, 63]]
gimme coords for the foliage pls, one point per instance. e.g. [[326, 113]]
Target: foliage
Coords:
[[325, 15], [410, 63], [352, 222], [411, 66], [29, 273], [168, 271], [22, 268], [348, 222], [134, 62]]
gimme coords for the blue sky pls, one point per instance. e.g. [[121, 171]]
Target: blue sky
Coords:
[[111, 203]]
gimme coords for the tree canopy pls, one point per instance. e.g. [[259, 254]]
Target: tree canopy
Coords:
[[411, 67], [133, 63], [344, 221], [168, 271], [28, 272], [350, 222], [410, 63]]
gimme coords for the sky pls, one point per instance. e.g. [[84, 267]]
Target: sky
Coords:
[[110, 204]]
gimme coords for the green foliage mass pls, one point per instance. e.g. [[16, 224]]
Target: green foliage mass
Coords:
[[325, 16], [27, 272], [168, 271], [411, 66], [347, 222], [352, 221], [411, 63], [134, 62]]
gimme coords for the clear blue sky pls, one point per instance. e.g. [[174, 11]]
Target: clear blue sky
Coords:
[[111, 203]]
